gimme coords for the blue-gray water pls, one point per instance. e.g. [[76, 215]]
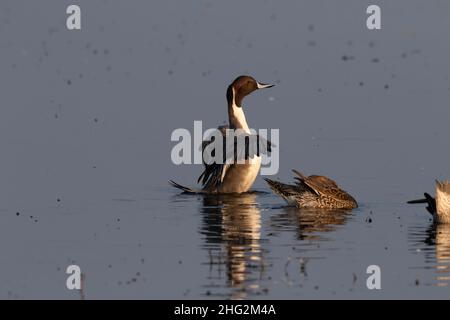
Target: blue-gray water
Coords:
[[85, 124]]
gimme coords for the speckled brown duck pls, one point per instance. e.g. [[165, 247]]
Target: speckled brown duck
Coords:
[[313, 192], [439, 207]]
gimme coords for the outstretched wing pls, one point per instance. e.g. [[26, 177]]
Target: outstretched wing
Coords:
[[214, 172], [235, 147]]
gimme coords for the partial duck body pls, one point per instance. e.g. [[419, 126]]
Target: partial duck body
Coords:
[[438, 207], [313, 192]]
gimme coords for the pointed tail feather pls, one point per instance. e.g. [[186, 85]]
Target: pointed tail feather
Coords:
[[431, 207], [285, 191], [185, 189], [274, 185], [418, 201], [298, 173]]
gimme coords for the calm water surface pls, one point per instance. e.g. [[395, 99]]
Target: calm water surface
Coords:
[[254, 247], [172, 245], [85, 125]]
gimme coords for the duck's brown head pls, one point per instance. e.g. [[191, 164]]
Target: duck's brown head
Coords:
[[241, 87]]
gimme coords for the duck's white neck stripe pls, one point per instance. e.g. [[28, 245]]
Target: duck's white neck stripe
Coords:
[[237, 116]]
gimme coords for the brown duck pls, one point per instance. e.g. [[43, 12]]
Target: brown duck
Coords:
[[313, 192]]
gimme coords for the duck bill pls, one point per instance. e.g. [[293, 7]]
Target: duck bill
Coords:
[[264, 85]]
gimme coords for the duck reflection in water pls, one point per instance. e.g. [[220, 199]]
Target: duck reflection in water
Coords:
[[309, 224], [232, 230], [438, 235]]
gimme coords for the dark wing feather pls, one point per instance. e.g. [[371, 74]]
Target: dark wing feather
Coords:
[[212, 176], [301, 182]]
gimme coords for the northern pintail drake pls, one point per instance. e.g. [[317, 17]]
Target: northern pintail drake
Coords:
[[313, 192], [233, 177], [439, 207]]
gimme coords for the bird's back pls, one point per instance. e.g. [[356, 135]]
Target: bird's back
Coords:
[[329, 194], [314, 192], [443, 201]]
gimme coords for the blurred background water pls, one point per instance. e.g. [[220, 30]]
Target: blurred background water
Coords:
[[85, 124]]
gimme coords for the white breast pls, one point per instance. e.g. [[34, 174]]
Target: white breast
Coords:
[[240, 177]]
